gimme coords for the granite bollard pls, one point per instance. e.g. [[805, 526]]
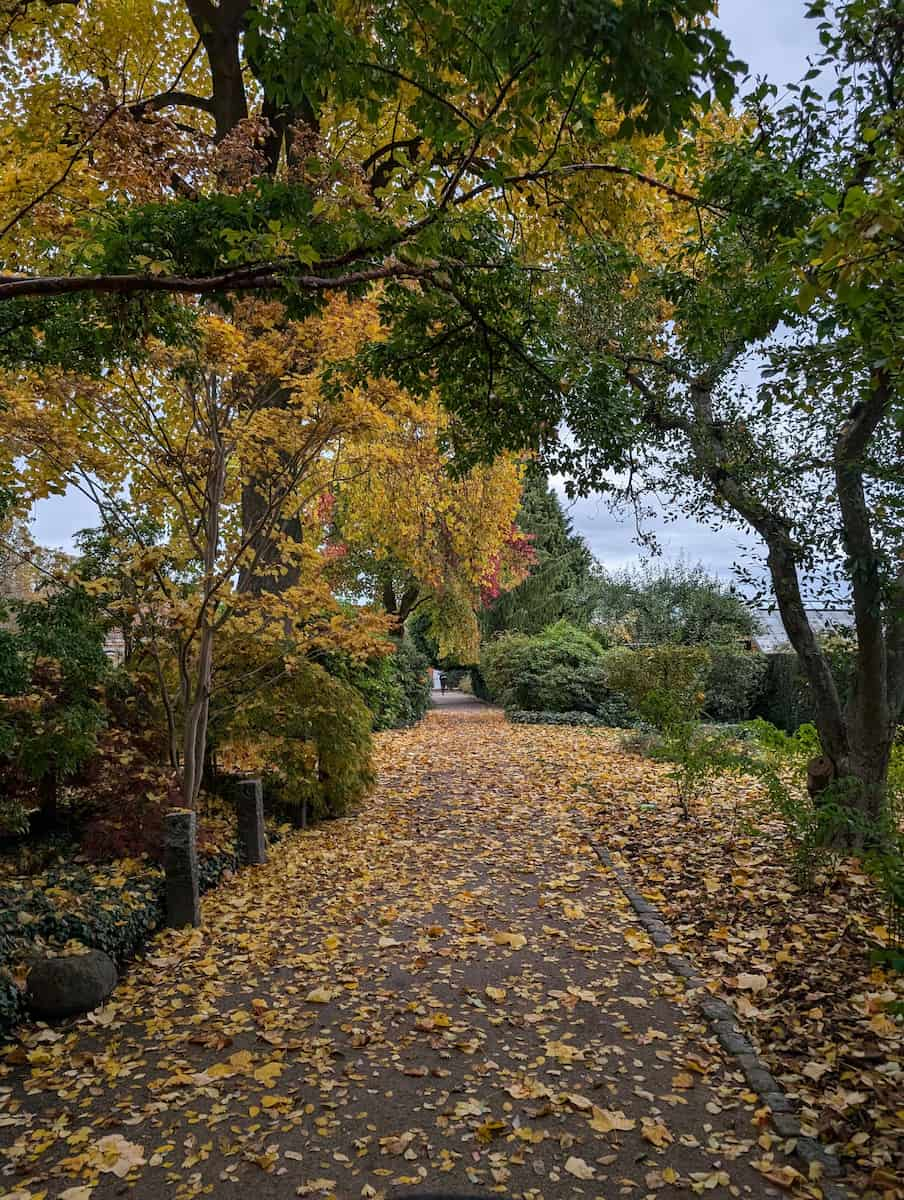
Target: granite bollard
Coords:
[[180, 857], [251, 821]]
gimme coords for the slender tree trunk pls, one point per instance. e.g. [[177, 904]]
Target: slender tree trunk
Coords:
[[856, 736], [48, 798], [197, 678]]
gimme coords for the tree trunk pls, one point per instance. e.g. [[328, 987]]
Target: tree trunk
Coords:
[[48, 798]]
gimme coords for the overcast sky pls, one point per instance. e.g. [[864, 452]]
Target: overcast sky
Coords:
[[773, 38]]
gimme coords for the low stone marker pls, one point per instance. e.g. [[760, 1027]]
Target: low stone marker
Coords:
[[70, 984], [180, 858], [251, 821]]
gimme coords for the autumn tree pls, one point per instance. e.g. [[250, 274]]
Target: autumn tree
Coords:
[[165, 450], [794, 274], [407, 531], [370, 129]]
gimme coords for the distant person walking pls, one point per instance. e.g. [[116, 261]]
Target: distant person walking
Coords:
[[442, 682]]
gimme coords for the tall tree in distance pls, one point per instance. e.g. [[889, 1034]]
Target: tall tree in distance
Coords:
[[561, 585]]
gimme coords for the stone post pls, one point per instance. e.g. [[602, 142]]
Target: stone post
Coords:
[[183, 906], [251, 821]]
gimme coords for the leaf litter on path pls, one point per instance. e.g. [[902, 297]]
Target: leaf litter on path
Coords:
[[443, 991]]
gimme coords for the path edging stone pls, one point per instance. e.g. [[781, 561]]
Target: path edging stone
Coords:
[[723, 1021]]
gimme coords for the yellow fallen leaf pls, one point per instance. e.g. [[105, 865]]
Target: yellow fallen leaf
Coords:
[[515, 940], [752, 983], [655, 1132], [579, 1168], [269, 1073], [319, 995], [606, 1121], [497, 994], [489, 1130]]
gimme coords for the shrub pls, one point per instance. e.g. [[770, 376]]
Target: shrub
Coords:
[[663, 683], [54, 665], [615, 715], [113, 907], [698, 757], [559, 670], [733, 683], [395, 687], [309, 734], [479, 685], [784, 699]]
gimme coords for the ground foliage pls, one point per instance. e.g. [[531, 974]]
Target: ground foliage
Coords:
[[54, 898], [347, 1023]]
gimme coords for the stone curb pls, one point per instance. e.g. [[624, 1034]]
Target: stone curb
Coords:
[[724, 1023]]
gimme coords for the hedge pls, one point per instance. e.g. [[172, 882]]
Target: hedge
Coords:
[[618, 718]]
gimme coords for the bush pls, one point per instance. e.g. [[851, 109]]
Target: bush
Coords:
[[53, 665], [733, 683], [663, 683], [615, 715], [784, 699], [559, 670], [479, 685], [402, 695], [395, 686], [309, 735]]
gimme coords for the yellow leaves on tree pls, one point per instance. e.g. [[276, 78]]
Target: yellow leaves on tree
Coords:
[[413, 531]]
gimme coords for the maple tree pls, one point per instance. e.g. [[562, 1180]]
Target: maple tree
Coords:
[[410, 532], [168, 451]]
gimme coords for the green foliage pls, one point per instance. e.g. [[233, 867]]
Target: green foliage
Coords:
[[50, 722], [395, 687], [663, 683], [699, 756], [311, 733], [561, 585], [672, 603], [784, 698], [613, 713], [559, 670], [812, 829], [733, 683]]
